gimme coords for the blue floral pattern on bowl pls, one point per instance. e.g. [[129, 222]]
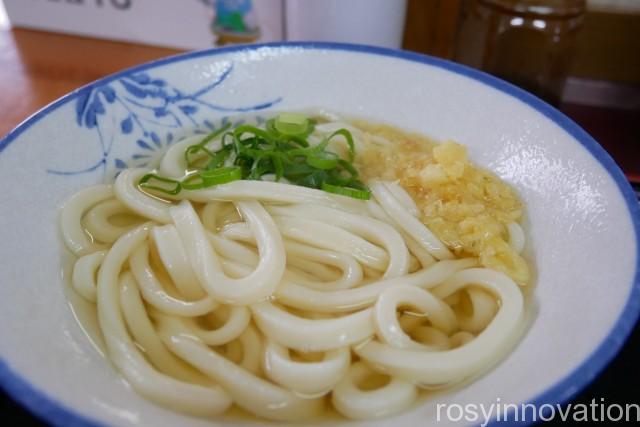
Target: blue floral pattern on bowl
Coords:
[[135, 107]]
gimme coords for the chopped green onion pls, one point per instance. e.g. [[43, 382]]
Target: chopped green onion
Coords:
[[252, 130], [349, 168], [323, 160], [218, 159], [221, 175], [196, 148], [291, 124], [295, 171], [314, 179], [280, 149], [347, 135], [193, 182], [172, 190], [347, 191], [210, 177], [278, 166]]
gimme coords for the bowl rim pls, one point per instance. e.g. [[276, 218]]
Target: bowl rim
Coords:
[[47, 408]]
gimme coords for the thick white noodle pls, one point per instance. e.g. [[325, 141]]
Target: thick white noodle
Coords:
[[97, 223], [301, 297], [83, 278], [483, 309], [125, 355], [409, 223], [307, 270], [234, 250], [454, 365], [142, 330], [127, 191], [73, 233], [386, 321], [312, 334], [461, 338], [176, 262], [433, 339], [380, 233], [272, 192], [355, 403], [402, 197], [155, 294], [248, 391], [234, 326], [252, 349], [321, 235], [334, 238], [258, 285], [418, 251], [351, 270], [306, 378]]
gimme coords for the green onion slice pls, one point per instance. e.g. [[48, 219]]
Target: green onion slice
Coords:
[[346, 191], [218, 159], [221, 175], [323, 160], [193, 182], [210, 177], [164, 185], [196, 148], [291, 124], [347, 135], [241, 130]]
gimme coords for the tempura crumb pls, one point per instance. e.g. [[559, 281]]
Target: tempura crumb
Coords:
[[466, 206]]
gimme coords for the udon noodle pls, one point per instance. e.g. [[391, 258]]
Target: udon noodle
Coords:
[[282, 299]]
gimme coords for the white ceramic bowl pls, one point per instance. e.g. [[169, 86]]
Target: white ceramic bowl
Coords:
[[582, 215]]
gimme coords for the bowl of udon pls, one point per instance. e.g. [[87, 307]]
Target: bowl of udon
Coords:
[[308, 233]]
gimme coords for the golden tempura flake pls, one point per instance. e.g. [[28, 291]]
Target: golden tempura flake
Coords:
[[466, 206]]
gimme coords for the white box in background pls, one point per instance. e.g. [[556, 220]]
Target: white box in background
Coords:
[[373, 22], [183, 24]]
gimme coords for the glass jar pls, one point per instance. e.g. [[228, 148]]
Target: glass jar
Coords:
[[527, 42]]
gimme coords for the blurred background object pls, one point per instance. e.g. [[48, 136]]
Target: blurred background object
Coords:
[[528, 42], [588, 67], [607, 48], [236, 21], [217, 22], [154, 22], [246, 21], [373, 22]]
